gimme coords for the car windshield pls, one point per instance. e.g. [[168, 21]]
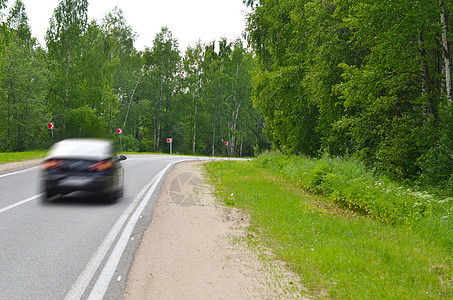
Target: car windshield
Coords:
[[81, 149]]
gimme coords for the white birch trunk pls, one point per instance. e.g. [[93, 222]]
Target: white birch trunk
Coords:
[[213, 136], [445, 51], [194, 128]]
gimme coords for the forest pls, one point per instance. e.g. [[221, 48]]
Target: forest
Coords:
[[89, 80], [368, 80], [364, 79]]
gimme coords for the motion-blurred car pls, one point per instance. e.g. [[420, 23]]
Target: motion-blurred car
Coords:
[[87, 165]]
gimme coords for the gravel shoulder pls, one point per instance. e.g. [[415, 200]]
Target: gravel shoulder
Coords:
[[18, 166], [196, 248]]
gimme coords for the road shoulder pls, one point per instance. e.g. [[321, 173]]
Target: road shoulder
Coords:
[[12, 167], [196, 248]]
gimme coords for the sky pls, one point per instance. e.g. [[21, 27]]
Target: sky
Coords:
[[188, 20]]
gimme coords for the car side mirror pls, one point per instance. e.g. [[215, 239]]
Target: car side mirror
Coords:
[[122, 157]]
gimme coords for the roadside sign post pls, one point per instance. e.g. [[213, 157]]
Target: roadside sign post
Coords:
[[51, 126], [120, 132], [170, 141], [226, 145]]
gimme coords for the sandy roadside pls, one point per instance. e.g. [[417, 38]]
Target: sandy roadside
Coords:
[[195, 248]]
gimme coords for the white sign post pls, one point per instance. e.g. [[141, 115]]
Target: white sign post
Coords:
[[170, 141], [51, 126], [120, 132], [227, 148]]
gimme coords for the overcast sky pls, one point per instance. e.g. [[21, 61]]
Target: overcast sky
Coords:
[[188, 20]]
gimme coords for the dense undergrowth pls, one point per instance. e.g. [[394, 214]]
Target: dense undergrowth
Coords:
[[350, 184]]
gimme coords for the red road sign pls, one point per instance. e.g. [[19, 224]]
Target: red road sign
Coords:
[[226, 143], [50, 125], [119, 131], [169, 140]]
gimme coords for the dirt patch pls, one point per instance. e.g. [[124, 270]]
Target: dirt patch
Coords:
[[196, 248]]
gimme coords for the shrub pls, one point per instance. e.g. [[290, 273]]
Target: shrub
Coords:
[[352, 185]]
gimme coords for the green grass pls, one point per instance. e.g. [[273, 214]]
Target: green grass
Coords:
[[21, 156], [337, 252]]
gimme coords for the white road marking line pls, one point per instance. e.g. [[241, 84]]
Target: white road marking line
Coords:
[[142, 158], [17, 172], [19, 203], [107, 274], [84, 279], [87, 274]]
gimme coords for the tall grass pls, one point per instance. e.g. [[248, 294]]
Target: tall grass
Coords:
[[304, 209], [350, 184]]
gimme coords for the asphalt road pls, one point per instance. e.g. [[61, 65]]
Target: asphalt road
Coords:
[[75, 247]]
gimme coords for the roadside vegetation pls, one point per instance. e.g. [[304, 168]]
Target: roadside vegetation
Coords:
[[21, 156], [347, 232]]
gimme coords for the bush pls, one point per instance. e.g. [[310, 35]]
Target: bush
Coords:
[[351, 185], [126, 143]]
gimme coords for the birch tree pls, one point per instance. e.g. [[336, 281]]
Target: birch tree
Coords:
[[120, 38], [67, 26], [24, 82], [192, 64], [162, 63], [445, 50], [241, 89]]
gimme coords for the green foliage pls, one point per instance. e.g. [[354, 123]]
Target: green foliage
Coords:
[[437, 163], [278, 91], [351, 185], [126, 143], [23, 86], [360, 78], [91, 80], [7, 157], [162, 63], [83, 122]]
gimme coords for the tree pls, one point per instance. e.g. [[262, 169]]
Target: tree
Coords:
[[24, 81], [120, 41], [240, 105], [162, 63], [394, 98], [364, 78], [445, 51], [192, 63], [96, 79], [277, 33], [64, 40], [82, 95], [92, 80]]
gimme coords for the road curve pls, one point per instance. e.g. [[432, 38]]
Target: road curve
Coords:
[[75, 247]]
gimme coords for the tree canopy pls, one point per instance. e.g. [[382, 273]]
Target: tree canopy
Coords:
[[368, 79], [90, 80]]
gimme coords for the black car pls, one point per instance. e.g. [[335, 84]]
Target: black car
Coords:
[[87, 165]]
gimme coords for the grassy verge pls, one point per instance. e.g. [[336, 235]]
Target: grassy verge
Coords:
[[337, 252], [21, 156]]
